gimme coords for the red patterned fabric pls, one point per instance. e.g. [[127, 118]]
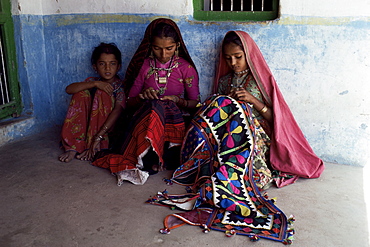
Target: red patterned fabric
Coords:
[[114, 162], [155, 123], [85, 116]]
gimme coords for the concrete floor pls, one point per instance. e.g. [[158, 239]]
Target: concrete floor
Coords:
[[48, 203]]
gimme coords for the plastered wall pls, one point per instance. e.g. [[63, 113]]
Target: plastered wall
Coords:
[[318, 53]]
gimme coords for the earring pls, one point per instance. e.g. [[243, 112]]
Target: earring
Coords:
[[151, 55], [177, 50]]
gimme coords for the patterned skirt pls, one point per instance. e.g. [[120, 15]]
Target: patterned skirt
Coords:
[[154, 124]]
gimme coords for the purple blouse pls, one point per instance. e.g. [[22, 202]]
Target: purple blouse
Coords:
[[182, 79]]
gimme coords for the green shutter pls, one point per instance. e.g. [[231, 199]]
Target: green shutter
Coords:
[[10, 101]]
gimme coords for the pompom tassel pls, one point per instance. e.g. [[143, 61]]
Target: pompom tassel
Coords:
[[288, 240], [290, 231], [254, 238], [168, 181], [291, 219], [230, 233], [206, 229], [164, 231]]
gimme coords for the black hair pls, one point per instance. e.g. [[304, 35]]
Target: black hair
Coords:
[[108, 48], [232, 38], [164, 30]]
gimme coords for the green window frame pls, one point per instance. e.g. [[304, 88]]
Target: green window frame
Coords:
[[239, 16], [10, 99]]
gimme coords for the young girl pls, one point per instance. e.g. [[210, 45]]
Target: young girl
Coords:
[[96, 104]]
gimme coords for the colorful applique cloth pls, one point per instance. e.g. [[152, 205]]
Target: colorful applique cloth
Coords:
[[220, 175]]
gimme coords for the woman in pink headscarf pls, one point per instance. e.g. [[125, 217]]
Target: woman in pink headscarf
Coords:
[[282, 154]]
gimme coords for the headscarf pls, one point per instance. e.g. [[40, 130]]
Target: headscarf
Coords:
[[144, 50], [290, 152]]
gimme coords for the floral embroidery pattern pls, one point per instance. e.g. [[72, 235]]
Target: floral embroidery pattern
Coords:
[[189, 81], [229, 179], [217, 111], [228, 137]]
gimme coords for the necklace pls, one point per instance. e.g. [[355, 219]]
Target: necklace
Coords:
[[242, 72], [240, 80], [162, 80]]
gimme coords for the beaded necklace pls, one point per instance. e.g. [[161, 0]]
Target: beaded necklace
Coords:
[[162, 80], [242, 72], [240, 80]]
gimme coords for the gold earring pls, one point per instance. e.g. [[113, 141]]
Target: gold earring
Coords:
[[177, 50]]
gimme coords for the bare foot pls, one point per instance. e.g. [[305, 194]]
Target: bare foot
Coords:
[[67, 156], [155, 169]]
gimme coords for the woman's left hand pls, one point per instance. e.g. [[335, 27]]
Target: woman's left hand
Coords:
[[242, 94]]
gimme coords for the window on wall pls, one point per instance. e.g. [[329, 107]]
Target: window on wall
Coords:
[[236, 10], [10, 102]]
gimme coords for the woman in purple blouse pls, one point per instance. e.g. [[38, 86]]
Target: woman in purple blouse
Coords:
[[162, 86]]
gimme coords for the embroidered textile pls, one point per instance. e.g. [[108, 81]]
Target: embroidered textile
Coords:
[[220, 170]]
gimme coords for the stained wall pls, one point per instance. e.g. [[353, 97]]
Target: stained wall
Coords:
[[318, 52]]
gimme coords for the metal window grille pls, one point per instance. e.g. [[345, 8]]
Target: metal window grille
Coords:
[[4, 86], [238, 5]]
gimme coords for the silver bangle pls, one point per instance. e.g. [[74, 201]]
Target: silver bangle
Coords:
[[98, 138]]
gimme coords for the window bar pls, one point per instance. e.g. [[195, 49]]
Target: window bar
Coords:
[[252, 1], [211, 5], [263, 5], [1, 90], [4, 90], [231, 5], [241, 5], [222, 5]]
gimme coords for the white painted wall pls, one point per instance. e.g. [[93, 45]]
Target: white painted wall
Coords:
[[326, 8], [329, 8], [50, 7]]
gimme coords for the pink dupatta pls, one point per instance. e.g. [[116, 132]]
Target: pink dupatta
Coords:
[[289, 151]]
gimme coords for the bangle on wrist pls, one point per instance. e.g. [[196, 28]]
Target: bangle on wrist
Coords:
[[264, 109], [98, 138], [177, 99]]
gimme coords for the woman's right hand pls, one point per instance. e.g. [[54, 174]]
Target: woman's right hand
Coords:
[[242, 94], [104, 86], [149, 93]]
